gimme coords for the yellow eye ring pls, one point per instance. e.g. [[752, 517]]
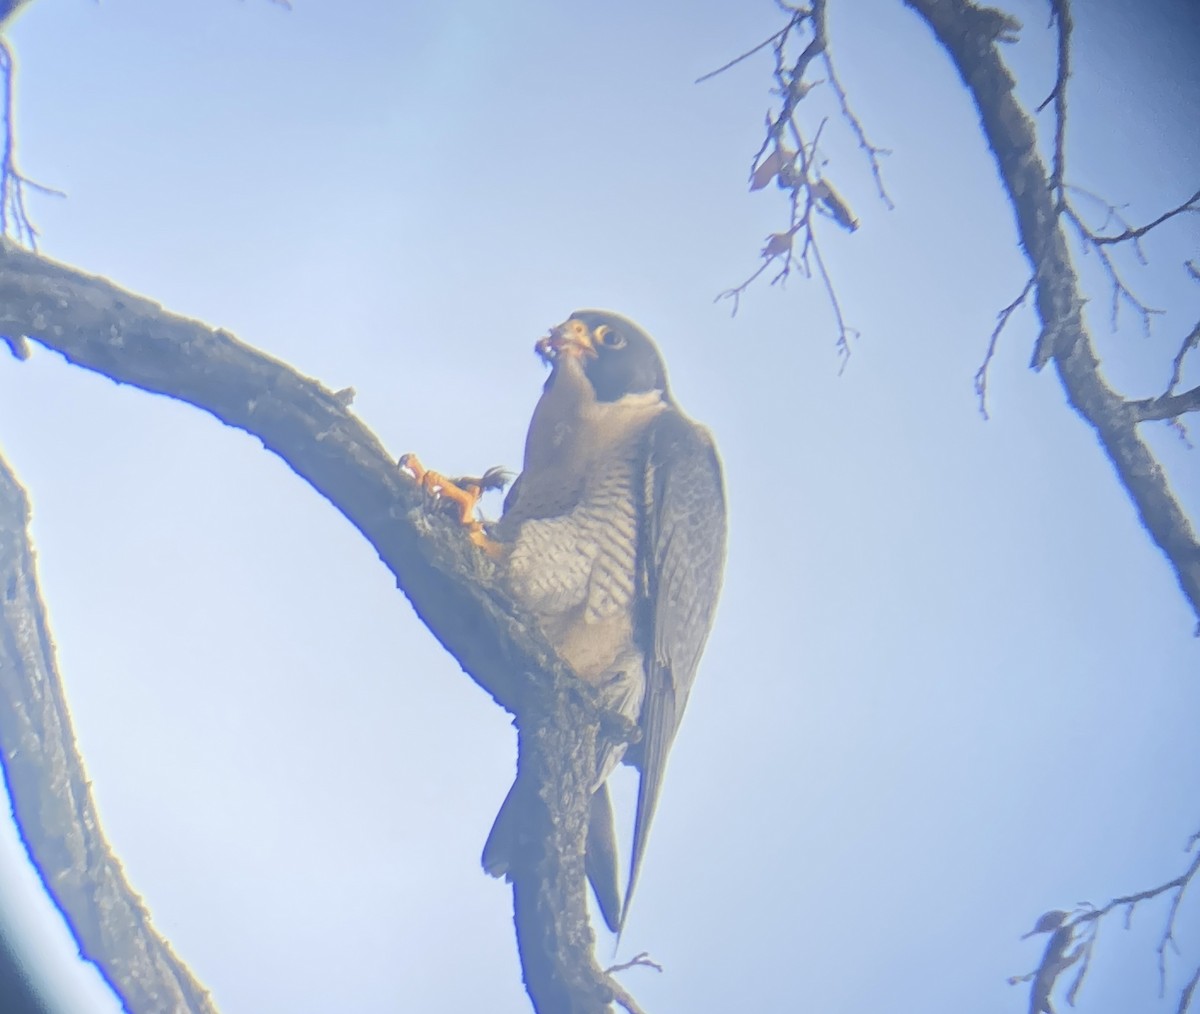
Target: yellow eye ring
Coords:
[[609, 338]]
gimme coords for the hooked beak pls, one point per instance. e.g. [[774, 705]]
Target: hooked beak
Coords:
[[571, 338]]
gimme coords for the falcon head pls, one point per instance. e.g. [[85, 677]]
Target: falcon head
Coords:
[[616, 356]]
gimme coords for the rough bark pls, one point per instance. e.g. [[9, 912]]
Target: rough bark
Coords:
[[970, 34], [100, 327], [52, 800]]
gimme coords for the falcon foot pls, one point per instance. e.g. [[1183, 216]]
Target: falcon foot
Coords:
[[462, 493]]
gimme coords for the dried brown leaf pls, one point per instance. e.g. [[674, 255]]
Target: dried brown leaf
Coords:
[[767, 170], [1048, 922], [833, 203], [779, 243]]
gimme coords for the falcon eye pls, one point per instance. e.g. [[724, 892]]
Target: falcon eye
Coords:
[[609, 338]]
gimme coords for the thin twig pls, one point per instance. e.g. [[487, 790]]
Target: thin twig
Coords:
[[639, 960], [796, 170], [873, 152], [1168, 935], [1192, 204], [12, 198], [749, 52], [14, 216], [1190, 342], [844, 333], [1140, 896], [736, 292], [1185, 998], [1061, 13], [1120, 289], [620, 994], [1112, 213], [1001, 320]]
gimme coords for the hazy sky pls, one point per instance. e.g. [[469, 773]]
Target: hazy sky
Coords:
[[952, 683]]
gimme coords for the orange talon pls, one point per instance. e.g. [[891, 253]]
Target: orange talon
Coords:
[[465, 493], [485, 542], [465, 497]]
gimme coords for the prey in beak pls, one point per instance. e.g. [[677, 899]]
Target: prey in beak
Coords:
[[571, 338]]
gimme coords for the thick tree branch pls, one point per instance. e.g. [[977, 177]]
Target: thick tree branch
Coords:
[[969, 34], [451, 585], [103, 328], [549, 883], [52, 801], [9, 10], [1167, 406]]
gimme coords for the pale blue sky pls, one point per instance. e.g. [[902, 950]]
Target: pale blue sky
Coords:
[[952, 684]]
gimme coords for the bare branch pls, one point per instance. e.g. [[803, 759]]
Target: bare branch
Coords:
[[1112, 213], [1061, 13], [796, 171], [1086, 949], [1056, 959], [750, 52], [52, 798], [1190, 342], [981, 374], [1096, 240], [1191, 205], [1185, 998], [1120, 289], [969, 34], [14, 218], [639, 960], [845, 333], [1081, 929], [451, 585], [1168, 934], [1166, 406], [735, 293], [873, 152]]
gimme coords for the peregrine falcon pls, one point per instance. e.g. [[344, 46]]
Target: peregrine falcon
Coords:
[[613, 537]]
